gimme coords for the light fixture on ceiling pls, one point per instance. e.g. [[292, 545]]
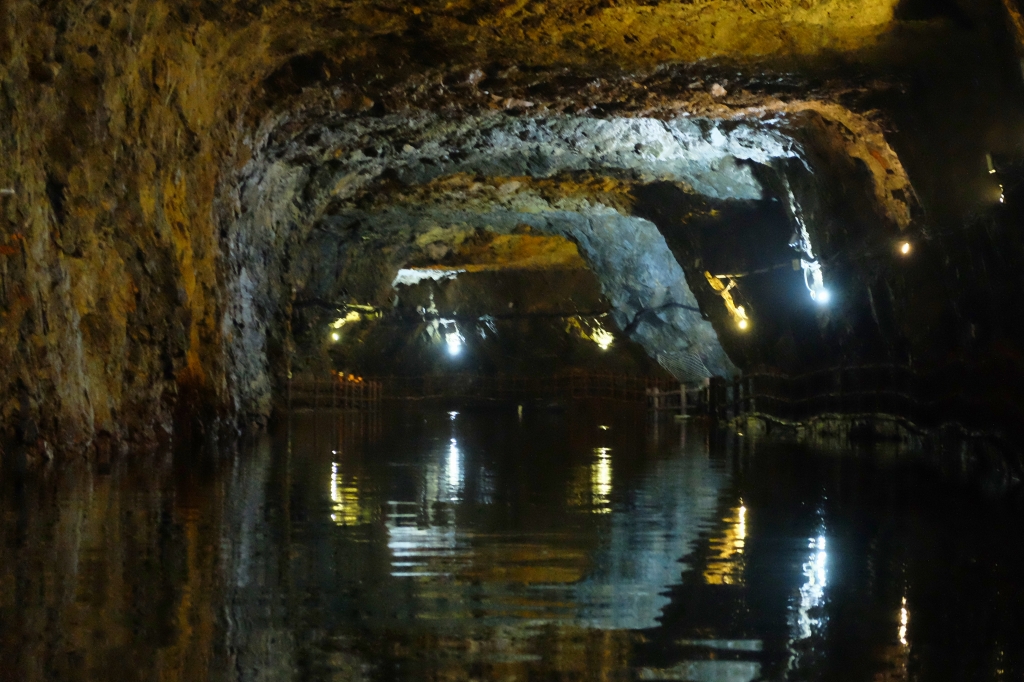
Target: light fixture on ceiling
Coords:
[[737, 312], [815, 281], [350, 316], [454, 341], [602, 337]]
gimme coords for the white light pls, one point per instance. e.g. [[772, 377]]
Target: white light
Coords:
[[603, 338], [454, 341], [742, 324], [454, 467], [812, 592], [452, 415], [815, 281], [905, 248], [335, 336]]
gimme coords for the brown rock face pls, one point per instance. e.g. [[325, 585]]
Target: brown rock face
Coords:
[[137, 278]]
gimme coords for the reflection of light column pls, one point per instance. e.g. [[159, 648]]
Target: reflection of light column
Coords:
[[345, 509], [812, 592], [904, 619], [454, 467], [420, 550], [601, 481], [725, 565]]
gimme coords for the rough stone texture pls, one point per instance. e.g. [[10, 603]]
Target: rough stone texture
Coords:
[[386, 185], [168, 159]]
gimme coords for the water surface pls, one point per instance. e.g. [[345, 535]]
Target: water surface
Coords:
[[588, 544]]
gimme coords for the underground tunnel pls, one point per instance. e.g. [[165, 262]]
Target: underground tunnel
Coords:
[[494, 339]]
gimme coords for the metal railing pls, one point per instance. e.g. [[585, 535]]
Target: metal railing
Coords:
[[505, 387], [928, 398], [331, 392]]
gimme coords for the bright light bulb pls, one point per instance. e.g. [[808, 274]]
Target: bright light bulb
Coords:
[[821, 296], [335, 336], [743, 324], [454, 342], [603, 338], [905, 248]]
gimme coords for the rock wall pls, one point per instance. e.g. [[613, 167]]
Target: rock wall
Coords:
[[139, 277]]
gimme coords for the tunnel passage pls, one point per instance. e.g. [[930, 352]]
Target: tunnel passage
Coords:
[[353, 200], [522, 304]]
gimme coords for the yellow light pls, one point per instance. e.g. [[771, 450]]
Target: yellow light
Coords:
[[603, 338], [905, 248], [601, 481], [737, 312], [904, 619], [740, 315], [590, 330], [352, 316], [345, 504], [335, 336], [725, 566]]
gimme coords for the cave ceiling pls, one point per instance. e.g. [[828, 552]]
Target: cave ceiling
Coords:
[[381, 192]]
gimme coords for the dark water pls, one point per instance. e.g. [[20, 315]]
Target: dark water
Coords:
[[429, 546]]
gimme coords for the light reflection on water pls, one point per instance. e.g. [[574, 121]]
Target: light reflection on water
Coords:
[[601, 481], [345, 508], [812, 592], [451, 546], [725, 567], [613, 582]]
